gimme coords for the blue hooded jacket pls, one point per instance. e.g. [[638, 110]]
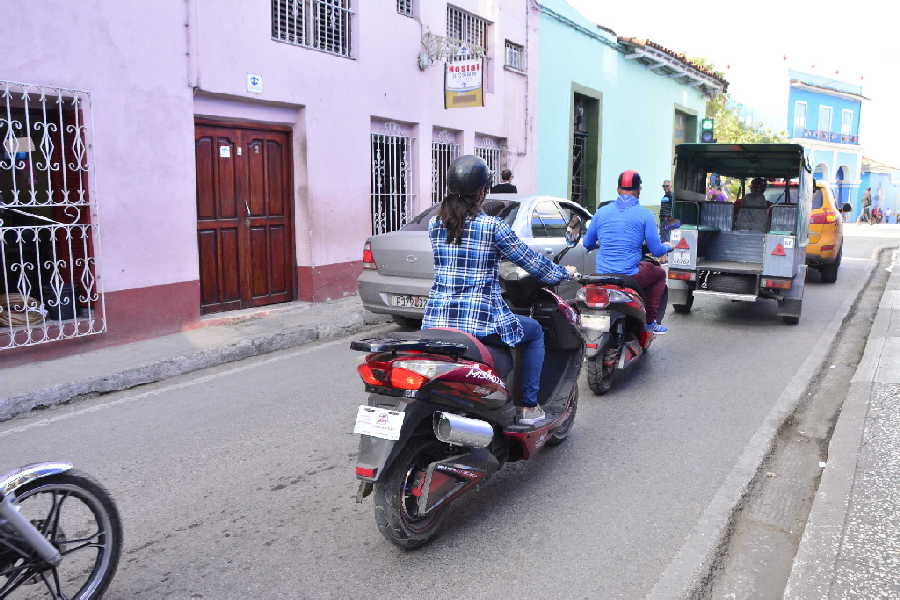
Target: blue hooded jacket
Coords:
[[620, 228]]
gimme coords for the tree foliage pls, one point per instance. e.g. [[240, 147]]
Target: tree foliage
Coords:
[[731, 128]]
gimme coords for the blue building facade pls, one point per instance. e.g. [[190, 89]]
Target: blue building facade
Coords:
[[824, 116], [607, 104], [884, 181]]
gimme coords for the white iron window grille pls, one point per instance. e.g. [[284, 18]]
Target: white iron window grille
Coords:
[[319, 24], [515, 56], [468, 30], [405, 7], [49, 290], [444, 148], [493, 151], [392, 187]]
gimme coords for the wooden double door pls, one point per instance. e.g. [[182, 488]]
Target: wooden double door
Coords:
[[244, 216]]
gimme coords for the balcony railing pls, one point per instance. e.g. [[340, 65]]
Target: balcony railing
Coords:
[[825, 136]]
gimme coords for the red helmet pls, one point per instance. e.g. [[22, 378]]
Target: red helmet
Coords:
[[630, 180]]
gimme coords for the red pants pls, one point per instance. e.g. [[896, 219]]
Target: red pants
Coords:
[[653, 279]]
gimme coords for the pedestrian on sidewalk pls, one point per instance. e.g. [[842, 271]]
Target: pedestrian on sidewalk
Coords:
[[665, 210], [506, 187], [864, 215]]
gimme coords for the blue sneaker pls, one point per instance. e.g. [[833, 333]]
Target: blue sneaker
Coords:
[[656, 328]]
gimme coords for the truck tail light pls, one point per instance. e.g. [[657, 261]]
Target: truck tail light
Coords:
[[682, 275], [779, 284]]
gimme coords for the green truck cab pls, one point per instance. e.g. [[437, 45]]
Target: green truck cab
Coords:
[[735, 252]]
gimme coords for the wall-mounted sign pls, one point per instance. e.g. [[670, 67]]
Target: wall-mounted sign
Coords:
[[254, 83], [464, 83]]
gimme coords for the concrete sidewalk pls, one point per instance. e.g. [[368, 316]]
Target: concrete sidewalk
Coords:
[[851, 544], [218, 339]]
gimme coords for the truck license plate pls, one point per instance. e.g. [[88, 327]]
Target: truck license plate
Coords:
[[379, 422], [409, 301], [681, 258]]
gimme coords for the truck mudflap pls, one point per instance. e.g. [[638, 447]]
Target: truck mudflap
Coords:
[[791, 304], [684, 256], [779, 256]]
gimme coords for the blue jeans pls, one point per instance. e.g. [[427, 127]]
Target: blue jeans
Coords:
[[532, 345]]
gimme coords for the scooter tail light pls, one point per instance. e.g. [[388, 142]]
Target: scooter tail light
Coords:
[[594, 296], [371, 374], [413, 374]]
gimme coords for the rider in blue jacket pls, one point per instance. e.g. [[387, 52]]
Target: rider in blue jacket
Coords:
[[620, 229]]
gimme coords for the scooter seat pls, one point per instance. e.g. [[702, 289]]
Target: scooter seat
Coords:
[[625, 281], [498, 358]]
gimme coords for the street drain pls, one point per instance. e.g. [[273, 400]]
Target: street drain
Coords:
[[755, 561]]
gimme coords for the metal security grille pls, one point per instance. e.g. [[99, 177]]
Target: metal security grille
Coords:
[[515, 56], [493, 152], [392, 189], [405, 7], [319, 24], [444, 148], [579, 181], [468, 30], [49, 289]]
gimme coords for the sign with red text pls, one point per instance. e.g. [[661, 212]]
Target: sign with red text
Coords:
[[464, 83]]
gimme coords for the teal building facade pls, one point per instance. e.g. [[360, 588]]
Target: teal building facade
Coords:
[[607, 104]]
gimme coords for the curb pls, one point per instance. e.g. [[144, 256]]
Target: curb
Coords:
[[691, 567], [813, 570], [182, 364]]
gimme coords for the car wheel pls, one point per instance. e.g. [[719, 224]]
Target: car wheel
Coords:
[[829, 273]]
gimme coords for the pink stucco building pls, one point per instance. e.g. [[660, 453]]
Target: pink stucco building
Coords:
[[159, 165]]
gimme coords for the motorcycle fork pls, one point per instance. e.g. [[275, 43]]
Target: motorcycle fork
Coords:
[[10, 515]]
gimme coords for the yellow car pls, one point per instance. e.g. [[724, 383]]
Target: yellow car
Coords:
[[826, 229]]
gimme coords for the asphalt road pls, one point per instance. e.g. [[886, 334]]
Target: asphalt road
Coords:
[[237, 482]]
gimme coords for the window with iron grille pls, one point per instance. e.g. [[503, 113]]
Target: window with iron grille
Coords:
[[468, 30], [392, 191], [319, 24], [515, 56], [444, 148], [405, 7], [49, 289], [493, 151]]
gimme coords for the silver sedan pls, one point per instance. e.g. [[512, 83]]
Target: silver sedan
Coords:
[[398, 266]]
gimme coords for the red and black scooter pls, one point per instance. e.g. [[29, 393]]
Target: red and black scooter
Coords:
[[441, 415], [613, 322]]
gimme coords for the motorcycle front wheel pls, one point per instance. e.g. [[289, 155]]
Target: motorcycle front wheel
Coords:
[[396, 501], [78, 516]]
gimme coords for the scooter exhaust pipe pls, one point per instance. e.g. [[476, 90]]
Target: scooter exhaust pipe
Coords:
[[462, 431]]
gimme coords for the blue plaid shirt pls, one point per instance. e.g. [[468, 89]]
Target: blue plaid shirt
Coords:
[[466, 290]]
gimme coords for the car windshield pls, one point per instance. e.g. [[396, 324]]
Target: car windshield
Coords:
[[775, 195], [505, 209]]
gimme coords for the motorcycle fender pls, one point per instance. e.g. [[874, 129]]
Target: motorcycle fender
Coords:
[[14, 480], [447, 479], [601, 341], [376, 454]]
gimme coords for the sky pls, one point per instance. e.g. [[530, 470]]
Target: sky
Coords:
[[754, 43]]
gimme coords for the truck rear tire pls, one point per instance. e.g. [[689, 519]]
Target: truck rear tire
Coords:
[[790, 320]]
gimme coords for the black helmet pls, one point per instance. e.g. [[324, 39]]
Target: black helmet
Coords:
[[468, 175]]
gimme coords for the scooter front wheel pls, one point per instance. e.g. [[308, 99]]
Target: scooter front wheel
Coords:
[[396, 501]]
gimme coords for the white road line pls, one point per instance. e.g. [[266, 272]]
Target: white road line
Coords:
[[169, 388]]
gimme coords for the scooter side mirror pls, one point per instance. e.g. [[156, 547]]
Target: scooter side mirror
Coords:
[[574, 230]]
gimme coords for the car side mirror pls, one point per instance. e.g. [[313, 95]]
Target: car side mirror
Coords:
[[845, 207], [574, 230]]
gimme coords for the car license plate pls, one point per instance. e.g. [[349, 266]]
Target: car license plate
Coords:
[[409, 301], [681, 258], [379, 422], [595, 322]]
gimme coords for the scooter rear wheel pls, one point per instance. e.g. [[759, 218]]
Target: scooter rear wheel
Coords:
[[396, 507], [599, 378]]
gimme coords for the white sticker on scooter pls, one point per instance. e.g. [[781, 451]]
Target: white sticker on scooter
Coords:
[[788, 242]]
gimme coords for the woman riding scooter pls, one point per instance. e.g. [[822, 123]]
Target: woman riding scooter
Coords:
[[468, 246]]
